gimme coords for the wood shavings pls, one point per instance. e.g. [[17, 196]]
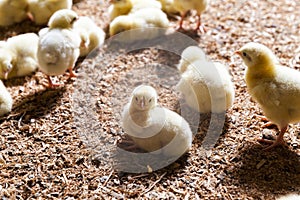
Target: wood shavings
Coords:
[[43, 155]]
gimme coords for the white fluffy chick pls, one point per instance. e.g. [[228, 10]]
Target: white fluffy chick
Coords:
[[141, 22], [153, 128], [189, 55], [289, 197], [183, 6], [91, 35], [13, 11], [18, 56], [6, 101], [42, 10], [168, 7], [123, 7], [141, 4], [206, 86], [58, 47]]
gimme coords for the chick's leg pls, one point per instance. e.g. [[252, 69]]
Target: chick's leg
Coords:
[[180, 27], [278, 142], [268, 124], [199, 25], [51, 84], [71, 72]]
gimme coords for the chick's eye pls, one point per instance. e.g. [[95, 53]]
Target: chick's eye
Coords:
[[244, 54], [136, 99], [150, 100], [73, 19]]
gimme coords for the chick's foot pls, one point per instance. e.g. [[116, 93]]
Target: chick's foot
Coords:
[[278, 142], [72, 73], [199, 26], [51, 84], [272, 143]]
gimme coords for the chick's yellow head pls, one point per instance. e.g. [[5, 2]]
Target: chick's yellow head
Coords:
[[63, 18], [144, 97], [257, 55]]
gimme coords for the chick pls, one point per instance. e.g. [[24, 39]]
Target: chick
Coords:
[[168, 7], [142, 22], [206, 86], [124, 7], [12, 11], [6, 101], [141, 4], [183, 6], [58, 47], [91, 35], [18, 56], [289, 197], [153, 128], [189, 55], [119, 7], [276, 88], [42, 10]]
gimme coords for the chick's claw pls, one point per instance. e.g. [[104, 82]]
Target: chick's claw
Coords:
[[72, 73], [278, 142]]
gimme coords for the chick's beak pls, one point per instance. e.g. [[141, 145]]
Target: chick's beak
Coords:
[[5, 74], [238, 52], [30, 16], [143, 103]]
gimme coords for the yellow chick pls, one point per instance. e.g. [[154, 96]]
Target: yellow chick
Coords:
[[42, 10], [119, 7], [153, 128], [183, 6], [206, 86], [12, 11], [6, 101], [168, 7], [18, 56], [91, 35], [58, 47], [276, 88], [142, 22], [123, 7]]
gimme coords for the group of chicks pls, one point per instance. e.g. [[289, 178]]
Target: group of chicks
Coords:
[[54, 50], [207, 87], [38, 11], [141, 15]]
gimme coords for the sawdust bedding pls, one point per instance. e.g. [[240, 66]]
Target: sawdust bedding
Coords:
[[61, 143]]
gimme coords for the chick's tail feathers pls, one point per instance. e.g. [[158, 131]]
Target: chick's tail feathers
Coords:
[[51, 57]]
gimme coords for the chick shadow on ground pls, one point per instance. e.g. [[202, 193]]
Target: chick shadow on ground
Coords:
[[274, 171], [17, 81], [38, 104], [19, 28], [129, 160], [207, 128]]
